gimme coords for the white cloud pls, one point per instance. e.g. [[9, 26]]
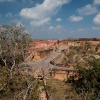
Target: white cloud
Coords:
[[51, 27], [87, 10], [58, 27], [58, 19], [97, 2], [37, 23], [96, 28], [74, 18], [7, 0], [47, 8], [43, 11], [97, 19], [9, 15]]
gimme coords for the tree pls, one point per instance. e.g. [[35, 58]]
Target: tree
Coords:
[[14, 42], [14, 83], [88, 83]]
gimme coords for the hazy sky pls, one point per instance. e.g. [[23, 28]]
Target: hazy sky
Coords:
[[54, 19]]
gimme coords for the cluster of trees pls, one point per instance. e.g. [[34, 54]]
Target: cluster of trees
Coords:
[[14, 42], [88, 83]]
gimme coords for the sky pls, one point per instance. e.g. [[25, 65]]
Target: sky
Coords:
[[54, 19]]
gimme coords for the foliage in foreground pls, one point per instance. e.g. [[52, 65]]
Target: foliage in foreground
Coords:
[[19, 87]]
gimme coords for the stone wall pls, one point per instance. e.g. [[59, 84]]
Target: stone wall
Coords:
[[41, 54], [62, 74]]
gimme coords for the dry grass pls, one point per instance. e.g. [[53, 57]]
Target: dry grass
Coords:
[[63, 91]]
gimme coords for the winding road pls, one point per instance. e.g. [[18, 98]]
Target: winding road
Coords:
[[45, 62]]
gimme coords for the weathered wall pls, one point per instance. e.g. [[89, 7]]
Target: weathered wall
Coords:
[[41, 54], [62, 74]]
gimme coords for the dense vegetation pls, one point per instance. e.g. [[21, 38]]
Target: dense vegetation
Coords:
[[88, 83]]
